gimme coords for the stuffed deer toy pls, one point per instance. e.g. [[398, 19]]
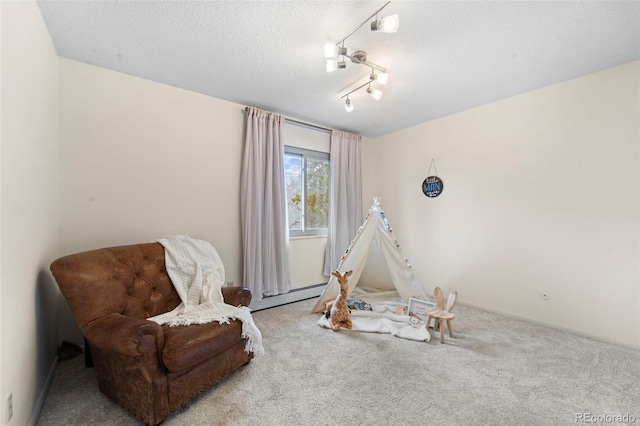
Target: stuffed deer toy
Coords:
[[340, 314]]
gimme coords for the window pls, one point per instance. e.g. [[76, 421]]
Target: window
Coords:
[[306, 174]]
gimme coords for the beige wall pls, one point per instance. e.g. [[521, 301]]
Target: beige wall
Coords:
[[307, 261], [140, 160], [541, 195], [29, 216]]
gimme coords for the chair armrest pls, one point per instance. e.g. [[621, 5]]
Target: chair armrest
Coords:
[[124, 335], [236, 296]]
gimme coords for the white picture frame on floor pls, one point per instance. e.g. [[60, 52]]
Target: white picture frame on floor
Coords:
[[419, 307]]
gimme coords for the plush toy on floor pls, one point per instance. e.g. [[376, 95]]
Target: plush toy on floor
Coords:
[[339, 311]]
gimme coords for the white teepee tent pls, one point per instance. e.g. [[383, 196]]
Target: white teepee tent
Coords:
[[374, 233]]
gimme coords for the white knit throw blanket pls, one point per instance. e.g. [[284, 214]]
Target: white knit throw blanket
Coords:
[[197, 274]]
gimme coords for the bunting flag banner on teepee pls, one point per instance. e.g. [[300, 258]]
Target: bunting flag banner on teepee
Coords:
[[375, 233]]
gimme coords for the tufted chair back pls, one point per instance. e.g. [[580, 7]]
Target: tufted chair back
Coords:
[[129, 280]]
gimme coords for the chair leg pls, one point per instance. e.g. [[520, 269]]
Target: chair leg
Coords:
[[450, 329], [441, 326]]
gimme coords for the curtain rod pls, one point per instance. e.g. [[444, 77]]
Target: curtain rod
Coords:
[[302, 123]]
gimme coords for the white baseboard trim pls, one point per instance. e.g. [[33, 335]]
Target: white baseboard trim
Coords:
[[283, 299], [35, 413], [550, 325]]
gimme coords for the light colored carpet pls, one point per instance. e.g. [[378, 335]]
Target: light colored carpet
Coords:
[[496, 371]]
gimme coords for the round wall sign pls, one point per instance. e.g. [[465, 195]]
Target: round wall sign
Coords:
[[432, 186]]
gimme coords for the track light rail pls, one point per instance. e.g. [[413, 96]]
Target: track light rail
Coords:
[[357, 88], [367, 63]]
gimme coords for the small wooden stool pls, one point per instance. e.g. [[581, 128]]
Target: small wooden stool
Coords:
[[441, 317], [441, 313]]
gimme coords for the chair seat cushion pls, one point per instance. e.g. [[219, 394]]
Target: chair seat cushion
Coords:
[[186, 346]]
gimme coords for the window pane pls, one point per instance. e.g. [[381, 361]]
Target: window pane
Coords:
[[293, 183], [317, 192], [307, 190]]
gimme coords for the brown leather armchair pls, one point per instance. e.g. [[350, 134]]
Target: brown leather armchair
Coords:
[[149, 369]]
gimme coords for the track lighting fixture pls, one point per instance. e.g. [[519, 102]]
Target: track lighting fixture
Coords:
[[389, 24], [332, 50], [375, 93], [334, 65], [348, 105], [335, 53], [381, 77]]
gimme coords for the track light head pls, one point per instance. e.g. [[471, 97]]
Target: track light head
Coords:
[[388, 24], [333, 50], [334, 65], [375, 93], [330, 50], [382, 77], [348, 105]]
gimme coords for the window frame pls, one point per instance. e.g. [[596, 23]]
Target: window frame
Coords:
[[317, 155]]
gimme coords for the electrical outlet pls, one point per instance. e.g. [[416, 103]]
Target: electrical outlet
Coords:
[[8, 409], [545, 296], [230, 283]]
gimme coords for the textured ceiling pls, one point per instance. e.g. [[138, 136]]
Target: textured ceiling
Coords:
[[446, 57]]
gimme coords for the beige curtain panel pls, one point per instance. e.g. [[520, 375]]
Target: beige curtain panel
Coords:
[[345, 205], [265, 235]]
